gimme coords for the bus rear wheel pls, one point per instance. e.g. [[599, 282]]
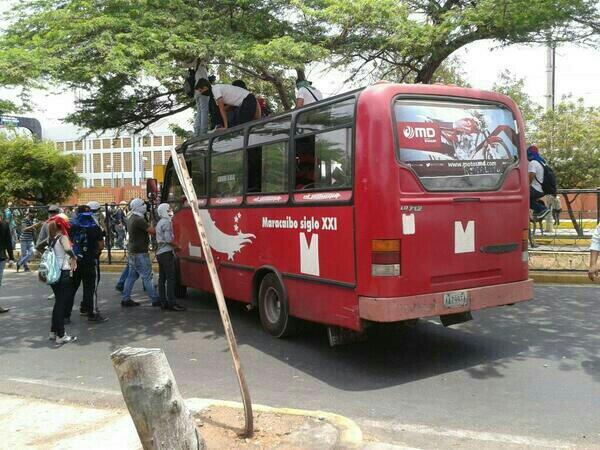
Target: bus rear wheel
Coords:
[[274, 309]]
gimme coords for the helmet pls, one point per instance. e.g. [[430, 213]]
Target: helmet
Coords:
[[94, 206]]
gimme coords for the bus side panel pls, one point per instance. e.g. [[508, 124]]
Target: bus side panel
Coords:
[[327, 304]]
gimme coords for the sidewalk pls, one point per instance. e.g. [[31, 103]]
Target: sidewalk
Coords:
[[28, 423]]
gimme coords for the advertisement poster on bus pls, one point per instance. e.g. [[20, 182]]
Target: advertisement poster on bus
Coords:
[[438, 139]]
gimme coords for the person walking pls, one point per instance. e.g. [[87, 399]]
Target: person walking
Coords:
[[139, 262], [165, 254], [27, 235], [535, 168], [86, 237], [6, 247], [306, 93], [58, 239]]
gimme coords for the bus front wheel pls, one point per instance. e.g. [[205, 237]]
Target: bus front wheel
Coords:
[[274, 309]]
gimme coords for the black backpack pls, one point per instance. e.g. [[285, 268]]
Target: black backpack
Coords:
[[549, 182]]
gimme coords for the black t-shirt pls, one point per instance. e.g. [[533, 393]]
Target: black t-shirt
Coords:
[[138, 234]]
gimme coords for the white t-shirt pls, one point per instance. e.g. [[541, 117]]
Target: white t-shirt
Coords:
[[536, 167], [60, 245], [305, 94], [231, 95]]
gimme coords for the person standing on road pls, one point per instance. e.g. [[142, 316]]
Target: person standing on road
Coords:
[[6, 246], [166, 258], [58, 239], [139, 259], [535, 169], [86, 237], [27, 234], [9, 218], [594, 270], [53, 211]]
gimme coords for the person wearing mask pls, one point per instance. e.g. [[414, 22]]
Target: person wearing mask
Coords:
[[139, 262], [306, 93], [6, 247], [58, 239], [226, 95], [165, 254], [27, 234], [535, 170], [9, 218], [86, 237]]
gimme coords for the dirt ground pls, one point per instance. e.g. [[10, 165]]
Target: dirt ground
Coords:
[[221, 426]]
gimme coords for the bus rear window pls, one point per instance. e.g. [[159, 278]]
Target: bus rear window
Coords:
[[455, 145]]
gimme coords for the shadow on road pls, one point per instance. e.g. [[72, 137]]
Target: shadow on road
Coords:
[[565, 329]]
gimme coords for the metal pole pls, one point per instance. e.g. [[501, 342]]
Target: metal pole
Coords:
[[108, 233], [188, 189], [597, 206]]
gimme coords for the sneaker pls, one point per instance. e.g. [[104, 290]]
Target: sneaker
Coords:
[[129, 303], [119, 288], [27, 269], [65, 339], [3, 310], [51, 297], [97, 318], [52, 336], [175, 307]]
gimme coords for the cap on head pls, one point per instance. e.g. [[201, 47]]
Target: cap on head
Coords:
[[94, 206], [533, 149]]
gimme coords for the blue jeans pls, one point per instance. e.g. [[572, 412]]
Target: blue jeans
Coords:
[[26, 252], [201, 122], [123, 277], [140, 265], [2, 264]]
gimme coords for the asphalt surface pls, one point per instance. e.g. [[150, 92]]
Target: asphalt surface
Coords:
[[524, 375]]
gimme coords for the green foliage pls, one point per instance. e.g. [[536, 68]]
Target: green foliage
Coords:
[[35, 171], [416, 36], [130, 56], [569, 139], [508, 84]]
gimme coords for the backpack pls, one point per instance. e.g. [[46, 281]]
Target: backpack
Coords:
[[189, 83], [549, 182], [49, 268], [79, 241]]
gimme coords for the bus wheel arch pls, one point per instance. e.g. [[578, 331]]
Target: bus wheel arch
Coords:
[[273, 304]]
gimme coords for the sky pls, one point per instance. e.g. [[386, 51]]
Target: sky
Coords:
[[577, 74]]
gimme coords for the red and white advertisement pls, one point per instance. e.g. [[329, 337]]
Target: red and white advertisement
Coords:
[[419, 135]]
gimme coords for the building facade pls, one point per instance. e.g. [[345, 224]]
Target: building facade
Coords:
[[116, 162]]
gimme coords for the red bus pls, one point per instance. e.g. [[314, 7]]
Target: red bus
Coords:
[[385, 204]]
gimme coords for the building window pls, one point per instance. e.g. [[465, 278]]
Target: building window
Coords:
[[117, 162], [168, 140], [158, 160], [106, 163], [127, 162], [116, 143], [69, 146], [79, 145], [157, 141], [96, 144], [147, 142], [126, 142], [106, 143], [60, 146], [96, 163]]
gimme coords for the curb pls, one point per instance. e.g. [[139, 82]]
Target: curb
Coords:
[[350, 434], [544, 276]]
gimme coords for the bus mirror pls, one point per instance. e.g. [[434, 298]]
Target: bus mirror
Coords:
[[152, 188]]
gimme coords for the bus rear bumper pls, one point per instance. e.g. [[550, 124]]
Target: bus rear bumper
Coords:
[[395, 309]]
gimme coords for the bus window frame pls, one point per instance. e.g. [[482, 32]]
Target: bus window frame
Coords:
[[292, 152], [451, 99], [243, 127]]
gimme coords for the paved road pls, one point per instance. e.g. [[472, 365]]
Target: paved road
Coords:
[[527, 375]]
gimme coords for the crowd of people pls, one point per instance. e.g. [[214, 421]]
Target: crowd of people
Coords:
[[73, 241]]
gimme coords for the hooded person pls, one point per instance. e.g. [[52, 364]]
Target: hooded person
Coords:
[[535, 169], [138, 261], [88, 243], [165, 254]]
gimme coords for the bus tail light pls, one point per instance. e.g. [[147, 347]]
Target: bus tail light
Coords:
[[525, 246], [385, 257]]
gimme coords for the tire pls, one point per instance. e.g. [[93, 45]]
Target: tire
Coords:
[[180, 290], [273, 308]]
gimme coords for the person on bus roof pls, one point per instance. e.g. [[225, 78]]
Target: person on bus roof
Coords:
[[535, 170], [229, 95], [306, 93]]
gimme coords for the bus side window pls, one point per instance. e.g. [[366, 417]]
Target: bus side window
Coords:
[[305, 163], [226, 174], [267, 156]]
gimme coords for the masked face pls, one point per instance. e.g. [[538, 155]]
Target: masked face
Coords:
[[170, 212]]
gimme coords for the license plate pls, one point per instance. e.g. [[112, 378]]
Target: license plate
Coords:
[[458, 299]]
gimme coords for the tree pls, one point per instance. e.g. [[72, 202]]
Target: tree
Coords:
[[508, 84], [569, 138], [35, 171], [130, 57], [417, 36]]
